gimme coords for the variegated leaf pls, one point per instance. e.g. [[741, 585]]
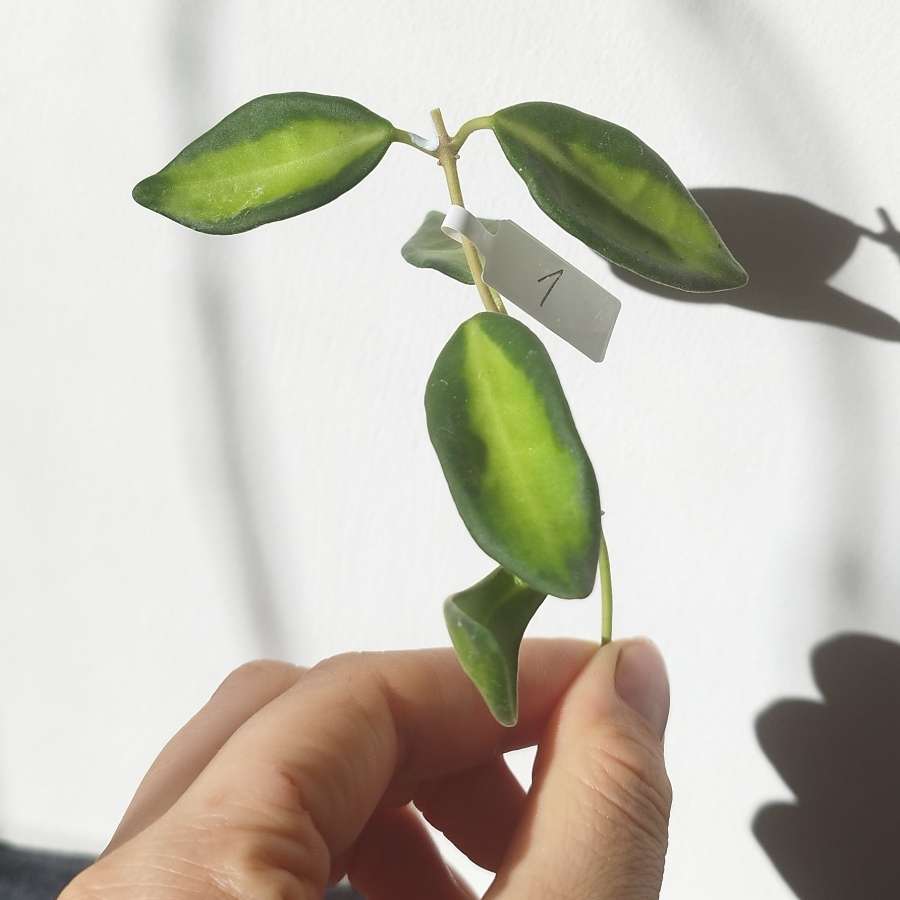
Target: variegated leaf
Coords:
[[518, 472], [610, 190], [274, 157]]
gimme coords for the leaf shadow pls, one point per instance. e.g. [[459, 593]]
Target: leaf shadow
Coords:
[[841, 759], [790, 248]]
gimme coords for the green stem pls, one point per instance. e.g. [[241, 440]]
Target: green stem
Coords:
[[606, 598], [467, 128], [447, 158]]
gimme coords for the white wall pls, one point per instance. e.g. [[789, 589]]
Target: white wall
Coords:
[[214, 449]]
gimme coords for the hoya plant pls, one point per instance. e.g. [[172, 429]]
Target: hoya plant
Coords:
[[498, 418]]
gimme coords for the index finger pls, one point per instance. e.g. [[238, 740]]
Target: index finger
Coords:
[[314, 764]]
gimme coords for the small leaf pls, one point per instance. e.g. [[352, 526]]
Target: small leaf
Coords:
[[609, 189], [274, 157], [516, 467], [486, 624], [430, 248]]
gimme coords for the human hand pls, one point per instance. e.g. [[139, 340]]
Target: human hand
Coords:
[[288, 779]]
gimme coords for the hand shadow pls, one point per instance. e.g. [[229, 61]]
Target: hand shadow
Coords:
[[840, 839], [790, 248]]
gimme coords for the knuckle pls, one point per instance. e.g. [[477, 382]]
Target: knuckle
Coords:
[[269, 873], [277, 886], [259, 673], [626, 781], [364, 689], [266, 862], [352, 672], [343, 664], [215, 861]]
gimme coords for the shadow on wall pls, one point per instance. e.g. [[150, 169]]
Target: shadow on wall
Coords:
[[790, 248], [841, 759], [187, 42]]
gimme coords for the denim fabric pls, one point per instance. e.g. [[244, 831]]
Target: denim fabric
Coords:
[[27, 874]]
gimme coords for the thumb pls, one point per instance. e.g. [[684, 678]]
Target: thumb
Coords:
[[595, 826]]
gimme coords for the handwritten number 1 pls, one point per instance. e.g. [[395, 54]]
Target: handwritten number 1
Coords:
[[558, 275]]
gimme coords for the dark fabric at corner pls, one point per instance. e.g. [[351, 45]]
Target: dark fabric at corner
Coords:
[[36, 874], [27, 874]]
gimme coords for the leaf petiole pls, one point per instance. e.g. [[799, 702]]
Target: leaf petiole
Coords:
[[476, 124], [416, 141]]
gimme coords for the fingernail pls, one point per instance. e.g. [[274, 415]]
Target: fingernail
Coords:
[[642, 682]]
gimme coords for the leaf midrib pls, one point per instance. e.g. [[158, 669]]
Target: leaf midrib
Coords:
[[508, 447], [547, 149], [249, 174]]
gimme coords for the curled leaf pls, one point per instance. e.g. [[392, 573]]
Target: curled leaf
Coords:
[[486, 624], [430, 248], [277, 156]]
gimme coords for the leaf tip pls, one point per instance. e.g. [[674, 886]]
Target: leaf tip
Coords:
[[577, 585], [741, 276], [481, 658], [731, 277], [146, 192]]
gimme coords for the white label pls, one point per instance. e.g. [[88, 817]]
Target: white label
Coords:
[[531, 275]]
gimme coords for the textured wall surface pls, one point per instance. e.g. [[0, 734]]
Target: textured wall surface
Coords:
[[214, 449]]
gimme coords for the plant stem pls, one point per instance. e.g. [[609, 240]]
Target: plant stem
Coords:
[[447, 159], [468, 127], [606, 598]]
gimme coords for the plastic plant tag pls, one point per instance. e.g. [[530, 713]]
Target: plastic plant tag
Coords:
[[544, 285]]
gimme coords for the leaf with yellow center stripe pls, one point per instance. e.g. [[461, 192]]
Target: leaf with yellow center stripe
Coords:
[[277, 156], [486, 624], [610, 190], [517, 470]]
